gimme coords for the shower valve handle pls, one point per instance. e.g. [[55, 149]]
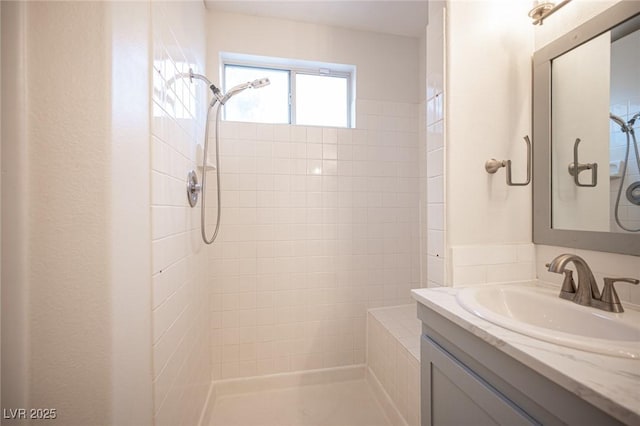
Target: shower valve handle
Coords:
[[193, 188]]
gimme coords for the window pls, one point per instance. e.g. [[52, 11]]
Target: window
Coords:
[[322, 100], [268, 104], [301, 92]]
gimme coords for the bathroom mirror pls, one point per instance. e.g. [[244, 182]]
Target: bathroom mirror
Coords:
[[586, 112]]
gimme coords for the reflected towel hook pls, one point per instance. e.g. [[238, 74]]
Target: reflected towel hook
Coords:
[[575, 171], [493, 165]]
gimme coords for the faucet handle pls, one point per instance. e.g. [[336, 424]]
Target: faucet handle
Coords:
[[568, 290], [609, 295]]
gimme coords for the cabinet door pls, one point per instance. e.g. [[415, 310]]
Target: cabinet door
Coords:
[[452, 394]]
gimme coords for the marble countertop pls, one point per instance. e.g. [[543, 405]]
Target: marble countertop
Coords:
[[610, 383]]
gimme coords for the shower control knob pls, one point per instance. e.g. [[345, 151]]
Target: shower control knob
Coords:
[[633, 193], [193, 188]]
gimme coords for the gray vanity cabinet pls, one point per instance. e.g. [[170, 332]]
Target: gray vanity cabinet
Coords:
[[455, 395], [466, 381]]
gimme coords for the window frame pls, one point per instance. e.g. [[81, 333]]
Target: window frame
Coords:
[[307, 68]]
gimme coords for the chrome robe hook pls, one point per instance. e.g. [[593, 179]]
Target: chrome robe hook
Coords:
[[493, 165], [576, 168]]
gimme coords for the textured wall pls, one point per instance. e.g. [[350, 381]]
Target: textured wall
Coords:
[[59, 266], [68, 253], [77, 268]]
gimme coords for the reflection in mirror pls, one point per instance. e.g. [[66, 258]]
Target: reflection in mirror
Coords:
[[625, 125], [595, 116]]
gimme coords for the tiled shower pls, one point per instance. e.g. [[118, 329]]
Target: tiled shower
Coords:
[[319, 224]]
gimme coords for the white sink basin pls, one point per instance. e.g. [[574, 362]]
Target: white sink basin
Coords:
[[539, 312]]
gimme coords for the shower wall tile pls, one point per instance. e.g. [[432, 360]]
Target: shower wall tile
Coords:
[[628, 213], [319, 224], [180, 347], [434, 249], [393, 356], [492, 263]]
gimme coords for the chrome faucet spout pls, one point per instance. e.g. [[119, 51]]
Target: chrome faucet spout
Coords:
[[587, 289], [586, 293]]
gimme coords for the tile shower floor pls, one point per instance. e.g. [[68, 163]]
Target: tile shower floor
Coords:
[[349, 403]]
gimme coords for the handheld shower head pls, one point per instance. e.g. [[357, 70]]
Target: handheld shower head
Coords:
[[620, 122], [261, 82], [255, 84], [631, 122]]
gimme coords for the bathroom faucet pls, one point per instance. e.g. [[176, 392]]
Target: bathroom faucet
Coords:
[[586, 291]]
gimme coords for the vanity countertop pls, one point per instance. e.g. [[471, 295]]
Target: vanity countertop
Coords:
[[610, 383]]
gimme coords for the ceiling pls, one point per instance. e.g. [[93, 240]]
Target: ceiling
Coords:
[[405, 18]]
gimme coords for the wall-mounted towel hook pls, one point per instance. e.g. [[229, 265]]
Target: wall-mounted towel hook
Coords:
[[576, 168], [493, 165]]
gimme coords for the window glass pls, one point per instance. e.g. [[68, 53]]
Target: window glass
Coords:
[[301, 92], [321, 100], [268, 104]]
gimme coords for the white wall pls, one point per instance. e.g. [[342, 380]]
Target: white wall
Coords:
[[69, 300], [483, 230], [68, 237], [15, 331], [180, 305], [488, 108], [0, 211], [603, 264], [387, 65], [127, 27], [88, 331]]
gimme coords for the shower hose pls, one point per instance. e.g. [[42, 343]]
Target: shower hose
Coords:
[[205, 156], [630, 135]]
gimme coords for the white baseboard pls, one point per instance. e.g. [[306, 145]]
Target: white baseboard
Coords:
[[289, 380], [385, 401]]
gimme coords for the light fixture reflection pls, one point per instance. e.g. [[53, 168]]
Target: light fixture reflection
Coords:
[[542, 9]]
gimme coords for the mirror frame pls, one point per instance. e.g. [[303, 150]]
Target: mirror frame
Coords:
[[543, 233]]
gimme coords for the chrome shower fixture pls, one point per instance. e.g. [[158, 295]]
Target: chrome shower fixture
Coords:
[[191, 75], [620, 122], [542, 9], [193, 187], [255, 84], [633, 191], [217, 94]]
